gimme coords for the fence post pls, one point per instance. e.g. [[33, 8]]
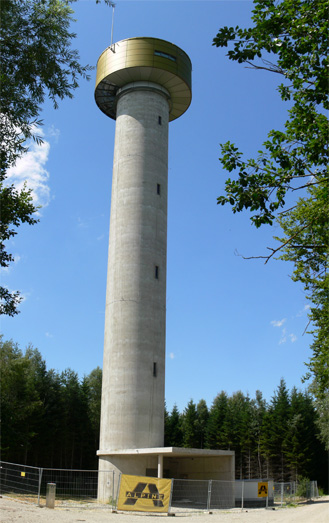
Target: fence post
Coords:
[[242, 494], [118, 491], [39, 486], [170, 498], [281, 495], [209, 494]]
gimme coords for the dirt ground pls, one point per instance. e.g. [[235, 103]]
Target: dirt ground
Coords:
[[12, 511]]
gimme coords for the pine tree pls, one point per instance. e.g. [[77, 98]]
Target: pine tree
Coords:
[[201, 423], [94, 393], [175, 433], [274, 434], [189, 426], [216, 435]]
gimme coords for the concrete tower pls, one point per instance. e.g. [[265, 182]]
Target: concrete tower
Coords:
[[142, 83]]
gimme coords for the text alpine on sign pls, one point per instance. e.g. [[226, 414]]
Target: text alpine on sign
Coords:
[[144, 494]]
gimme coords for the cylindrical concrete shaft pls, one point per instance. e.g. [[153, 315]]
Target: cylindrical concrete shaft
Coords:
[[132, 413]]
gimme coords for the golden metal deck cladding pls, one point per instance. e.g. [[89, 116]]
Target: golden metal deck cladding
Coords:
[[144, 59]]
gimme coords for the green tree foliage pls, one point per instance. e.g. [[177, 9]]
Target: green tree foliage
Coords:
[[259, 407], [201, 423], [307, 224], [288, 181], [189, 426], [166, 427], [300, 448], [173, 428], [21, 406], [93, 384], [276, 440], [37, 62], [322, 421], [52, 419], [275, 433], [47, 419], [216, 435]]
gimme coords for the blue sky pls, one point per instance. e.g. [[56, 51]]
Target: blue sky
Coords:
[[232, 324]]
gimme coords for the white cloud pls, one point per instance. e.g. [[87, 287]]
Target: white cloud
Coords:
[[171, 355], [302, 312], [30, 169], [278, 323], [82, 224], [48, 335], [53, 133], [283, 338]]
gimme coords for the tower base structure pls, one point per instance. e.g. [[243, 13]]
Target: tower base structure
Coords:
[[163, 462]]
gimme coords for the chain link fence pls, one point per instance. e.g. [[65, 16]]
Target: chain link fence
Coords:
[[79, 487]]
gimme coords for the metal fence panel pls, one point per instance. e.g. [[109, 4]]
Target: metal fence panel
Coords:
[[71, 484], [20, 480], [285, 493], [189, 493], [202, 494], [222, 495], [80, 486], [312, 490]]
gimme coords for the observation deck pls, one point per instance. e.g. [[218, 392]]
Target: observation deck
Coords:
[[147, 60]]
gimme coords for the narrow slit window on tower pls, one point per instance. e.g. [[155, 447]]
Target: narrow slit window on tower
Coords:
[[158, 189], [156, 272], [159, 120], [154, 369]]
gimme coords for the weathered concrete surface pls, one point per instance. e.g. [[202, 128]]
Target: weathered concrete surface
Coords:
[[135, 322]]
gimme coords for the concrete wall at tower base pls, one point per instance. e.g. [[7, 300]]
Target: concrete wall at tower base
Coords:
[[167, 462]]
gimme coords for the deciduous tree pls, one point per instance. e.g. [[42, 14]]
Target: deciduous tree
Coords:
[[37, 62], [288, 180]]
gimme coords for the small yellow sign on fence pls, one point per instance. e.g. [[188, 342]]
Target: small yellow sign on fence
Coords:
[[144, 494], [263, 489], [23, 474]]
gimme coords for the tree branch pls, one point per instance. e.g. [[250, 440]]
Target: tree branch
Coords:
[[253, 66], [274, 251], [304, 186], [287, 210], [308, 246]]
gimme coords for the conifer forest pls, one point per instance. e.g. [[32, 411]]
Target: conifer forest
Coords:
[[51, 419]]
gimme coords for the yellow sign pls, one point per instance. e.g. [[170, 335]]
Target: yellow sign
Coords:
[[263, 489], [144, 494], [23, 474]]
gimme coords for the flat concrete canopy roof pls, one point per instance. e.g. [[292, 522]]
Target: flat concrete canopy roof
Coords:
[[169, 452]]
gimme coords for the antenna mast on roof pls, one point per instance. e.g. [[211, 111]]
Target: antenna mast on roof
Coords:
[[112, 4]]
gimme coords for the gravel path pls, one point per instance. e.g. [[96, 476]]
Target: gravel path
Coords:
[[12, 511]]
